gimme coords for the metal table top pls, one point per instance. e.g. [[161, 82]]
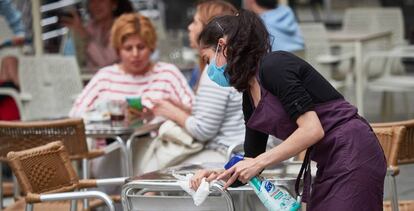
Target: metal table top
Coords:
[[165, 175]]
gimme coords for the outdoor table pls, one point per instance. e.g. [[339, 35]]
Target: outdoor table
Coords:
[[358, 39], [105, 130], [123, 136], [164, 176]]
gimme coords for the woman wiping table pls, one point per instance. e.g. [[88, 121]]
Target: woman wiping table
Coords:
[[286, 97]]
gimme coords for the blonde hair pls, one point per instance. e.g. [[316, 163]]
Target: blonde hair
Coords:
[[131, 24], [209, 9]]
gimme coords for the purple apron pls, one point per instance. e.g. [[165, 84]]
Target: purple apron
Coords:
[[351, 163]]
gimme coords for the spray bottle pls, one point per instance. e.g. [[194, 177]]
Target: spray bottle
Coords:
[[274, 198]]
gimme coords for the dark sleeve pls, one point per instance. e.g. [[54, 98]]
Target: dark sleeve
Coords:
[[255, 141], [282, 75]]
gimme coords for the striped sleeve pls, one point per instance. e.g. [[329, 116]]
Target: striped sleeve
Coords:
[[208, 112], [182, 91], [88, 96]]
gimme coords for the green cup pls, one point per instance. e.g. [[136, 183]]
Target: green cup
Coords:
[[134, 102]]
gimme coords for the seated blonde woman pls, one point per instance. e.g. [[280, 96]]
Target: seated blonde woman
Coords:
[[134, 39]]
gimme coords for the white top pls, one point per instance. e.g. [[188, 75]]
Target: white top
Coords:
[[111, 83]]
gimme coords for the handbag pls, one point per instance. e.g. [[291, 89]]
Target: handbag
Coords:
[[172, 145]]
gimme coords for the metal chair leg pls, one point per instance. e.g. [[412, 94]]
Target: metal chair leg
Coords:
[[29, 207], [16, 188], [73, 205], [394, 197], [85, 175], [1, 186]]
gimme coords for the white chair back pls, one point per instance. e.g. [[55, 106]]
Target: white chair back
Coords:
[[374, 20], [48, 86], [317, 45]]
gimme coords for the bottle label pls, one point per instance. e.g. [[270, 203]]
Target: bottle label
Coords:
[[274, 198]]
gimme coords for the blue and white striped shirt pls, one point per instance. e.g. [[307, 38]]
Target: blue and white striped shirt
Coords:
[[217, 114]]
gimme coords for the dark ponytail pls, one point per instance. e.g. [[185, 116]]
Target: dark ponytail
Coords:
[[247, 42]]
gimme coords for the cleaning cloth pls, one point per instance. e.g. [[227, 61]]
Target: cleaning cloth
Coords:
[[202, 192]]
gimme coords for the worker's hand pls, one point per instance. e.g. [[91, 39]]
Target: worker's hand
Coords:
[[210, 175], [243, 171]]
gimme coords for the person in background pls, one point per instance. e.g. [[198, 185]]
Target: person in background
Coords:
[[13, 17], [216, 118], [9, 64], [280, 22], [94, 35], [285, 96], [134, 39]]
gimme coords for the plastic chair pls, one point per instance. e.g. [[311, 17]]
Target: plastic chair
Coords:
[[382, 62], [48, 87], [393, 77], [171, 196], [16, 136], [389, 83], [367, 20], [376, 19], [318, 54], [390, 139], [45, 174]]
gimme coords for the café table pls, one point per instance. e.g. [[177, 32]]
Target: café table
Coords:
[[164, 178], [104, 130], [358, 39], [123, 137]]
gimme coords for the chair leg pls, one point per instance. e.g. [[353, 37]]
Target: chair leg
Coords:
[[387, 106], [29, 207], [74, 205], [85, 175], [1, 186], [406, 103], [383, 105], [393, 188], [16, 188]]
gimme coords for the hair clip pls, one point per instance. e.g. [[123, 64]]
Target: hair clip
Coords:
[[221, 28]]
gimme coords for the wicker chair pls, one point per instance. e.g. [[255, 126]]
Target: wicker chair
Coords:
[[406, 205], [390, 139], [45, 174], [405, 154], [16, 136]]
